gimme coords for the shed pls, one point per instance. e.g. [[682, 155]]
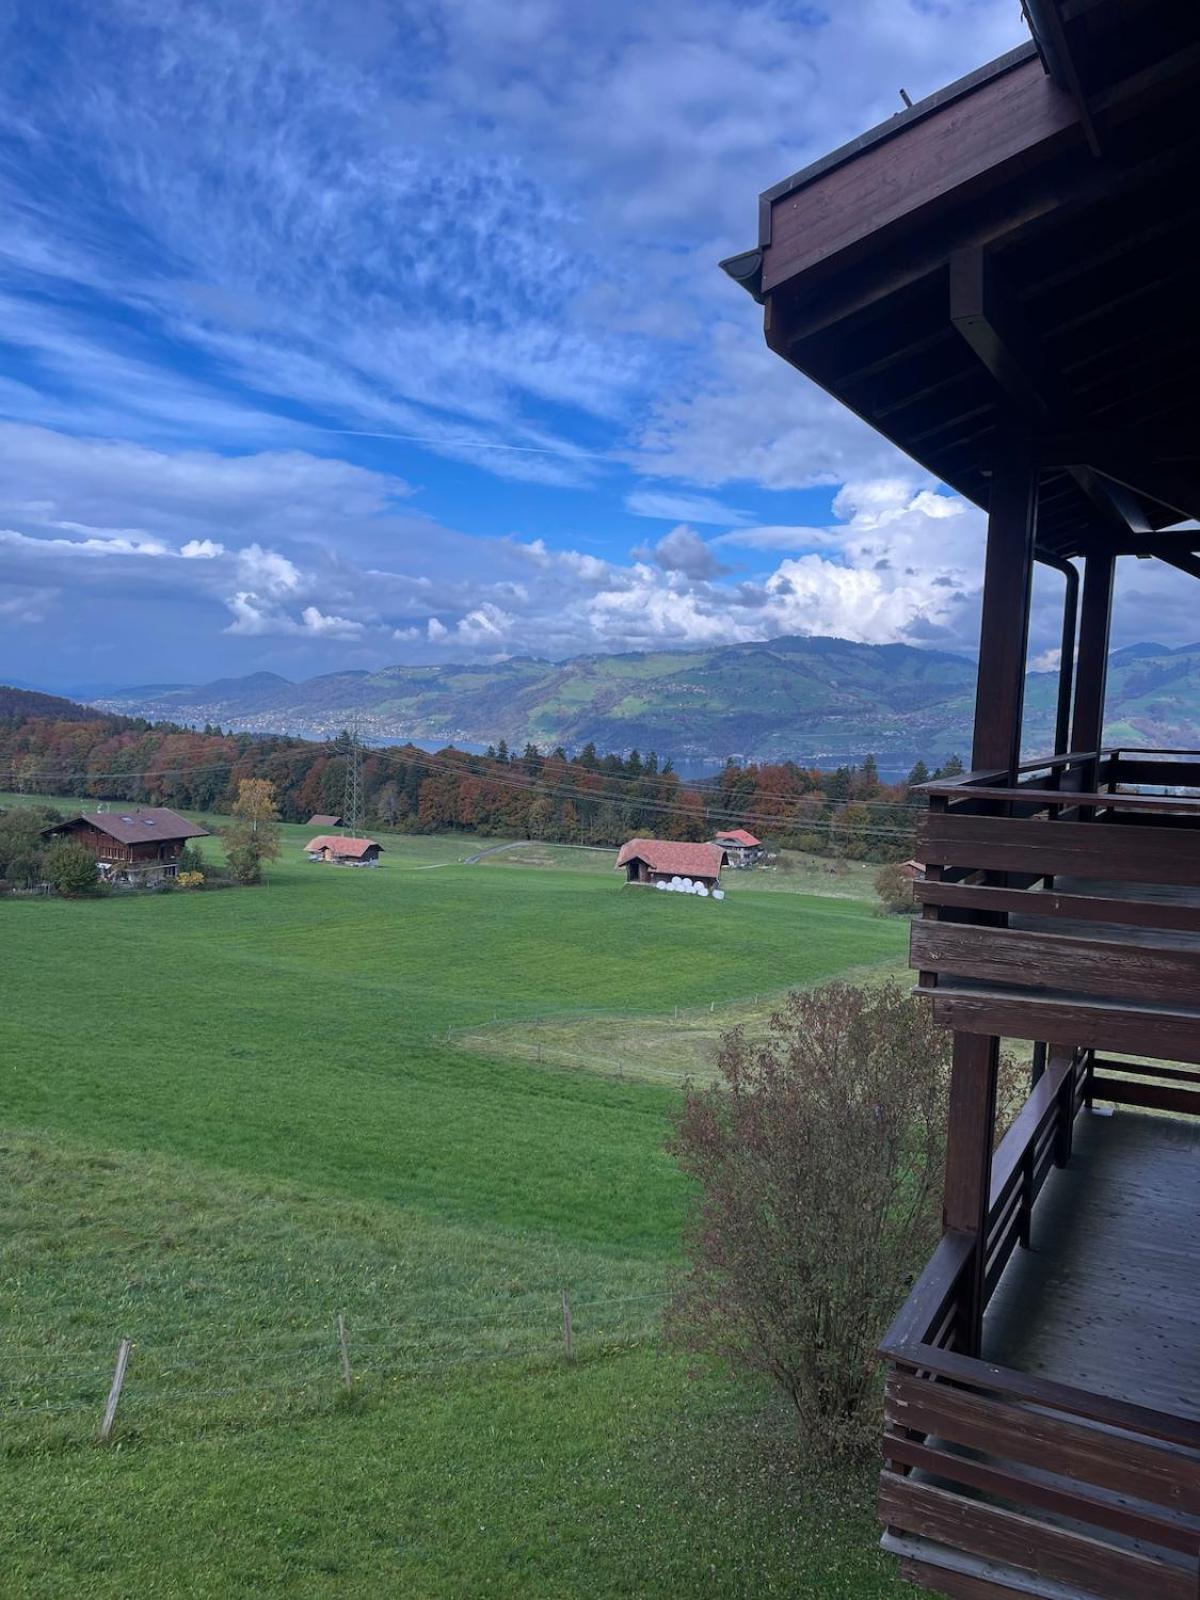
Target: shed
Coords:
[[343, 852], [320, 820], [660, 860]]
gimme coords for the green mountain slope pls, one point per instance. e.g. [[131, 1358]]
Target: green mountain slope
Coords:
[[811, 699]]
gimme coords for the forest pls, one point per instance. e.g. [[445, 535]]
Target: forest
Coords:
[[585, 798]]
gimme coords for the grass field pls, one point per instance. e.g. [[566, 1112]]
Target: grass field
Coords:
[[229, 1115]]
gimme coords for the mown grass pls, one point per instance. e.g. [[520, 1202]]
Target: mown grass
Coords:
[[232, 1114]]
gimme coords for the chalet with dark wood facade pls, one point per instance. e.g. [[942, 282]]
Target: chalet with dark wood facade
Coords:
[[141, 844], [1002, 280]]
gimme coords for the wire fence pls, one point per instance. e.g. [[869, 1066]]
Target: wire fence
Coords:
[[236, 1378]]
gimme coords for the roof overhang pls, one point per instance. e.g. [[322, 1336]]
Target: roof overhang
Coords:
[[1016, 254]]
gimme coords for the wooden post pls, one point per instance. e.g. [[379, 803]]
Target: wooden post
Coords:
[[114, 1393], [347, 1370], [1087, 724], [568, 1331], [1004, 627], [969, 1167]]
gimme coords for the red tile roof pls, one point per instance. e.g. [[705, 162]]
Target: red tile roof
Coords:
[[338, 846], [740, 836], [138, 825], [678, 860]]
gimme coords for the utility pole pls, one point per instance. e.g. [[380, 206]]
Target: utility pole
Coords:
[[352, 797]]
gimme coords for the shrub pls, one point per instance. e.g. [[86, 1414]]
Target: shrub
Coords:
[[70, 868], [894, 888], [817, 1160], [191, 859], [190, 880]]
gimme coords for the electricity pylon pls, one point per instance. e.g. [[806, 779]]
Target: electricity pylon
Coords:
[[352, 798]]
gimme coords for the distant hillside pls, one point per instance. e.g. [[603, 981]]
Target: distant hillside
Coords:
[[22, 702], [815, 700]]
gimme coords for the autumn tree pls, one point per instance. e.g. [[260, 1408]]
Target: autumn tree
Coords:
[[253, 836]]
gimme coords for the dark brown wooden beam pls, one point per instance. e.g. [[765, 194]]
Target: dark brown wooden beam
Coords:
[[994, 326], [1093, 447], [972, 1118], [1180, 559], [1004, 628], [1172, 486], [1091, 672]]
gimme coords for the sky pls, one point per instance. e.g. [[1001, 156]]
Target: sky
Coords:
[[340, 333]]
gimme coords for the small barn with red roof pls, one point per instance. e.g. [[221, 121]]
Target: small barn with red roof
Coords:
[[741, 847], [660, 860], [343, 852]]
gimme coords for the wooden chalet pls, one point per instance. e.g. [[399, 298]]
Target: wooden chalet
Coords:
[[1002, 280], [660, 860], [741, 847], [342, 851], [141, 844]]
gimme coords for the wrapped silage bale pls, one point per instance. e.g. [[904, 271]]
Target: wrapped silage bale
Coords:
[[702, 891], [688, 885], [718, 894], [676, 882], [661, 884]]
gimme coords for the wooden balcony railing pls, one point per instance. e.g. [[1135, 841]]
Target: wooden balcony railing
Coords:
[[989, 1470], [1066, 906]]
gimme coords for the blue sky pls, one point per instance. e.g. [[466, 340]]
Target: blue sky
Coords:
[[338, 334]]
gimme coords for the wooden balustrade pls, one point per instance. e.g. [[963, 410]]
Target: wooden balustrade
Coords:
[[1007, 1467]]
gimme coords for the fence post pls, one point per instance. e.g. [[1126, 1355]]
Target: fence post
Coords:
[[347, 1370], [114, 1393], [568, 1331]]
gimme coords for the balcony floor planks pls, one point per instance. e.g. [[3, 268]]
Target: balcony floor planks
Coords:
[[1108, 1297]]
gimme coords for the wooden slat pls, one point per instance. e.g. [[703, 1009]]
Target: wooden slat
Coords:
[[957, 1585], [991, 1378], [1074, 849], [1172, 1036], [1153, 1096], [1096, 1456], [1146, 1069], [1163, 915], [1056, 961], [1027, 1491], [1093, 1565]]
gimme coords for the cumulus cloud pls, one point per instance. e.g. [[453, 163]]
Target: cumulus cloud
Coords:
[[684, 551]]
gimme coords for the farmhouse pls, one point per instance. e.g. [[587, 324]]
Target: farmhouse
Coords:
[[320, 820], [138, 845], [660, 860], [343, 852], [741, 848]]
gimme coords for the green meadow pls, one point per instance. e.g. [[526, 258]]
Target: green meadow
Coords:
[[228, 1116]]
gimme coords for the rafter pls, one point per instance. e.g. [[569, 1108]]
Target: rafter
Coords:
[[994, 325]]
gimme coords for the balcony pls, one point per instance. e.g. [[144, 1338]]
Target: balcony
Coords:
[[1065, 907], [1057, 1453], [1065, 1460]]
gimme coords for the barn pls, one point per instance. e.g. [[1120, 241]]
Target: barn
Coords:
[[139, 845], [741, 847], [660, 860], [342, 852]]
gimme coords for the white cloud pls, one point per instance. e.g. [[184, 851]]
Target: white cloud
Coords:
[[668, 507], [201, 550], [329, 627]]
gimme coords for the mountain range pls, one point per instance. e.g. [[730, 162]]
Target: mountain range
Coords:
[[813, 699]]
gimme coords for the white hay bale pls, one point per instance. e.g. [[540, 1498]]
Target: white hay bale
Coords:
[[718, 894]]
